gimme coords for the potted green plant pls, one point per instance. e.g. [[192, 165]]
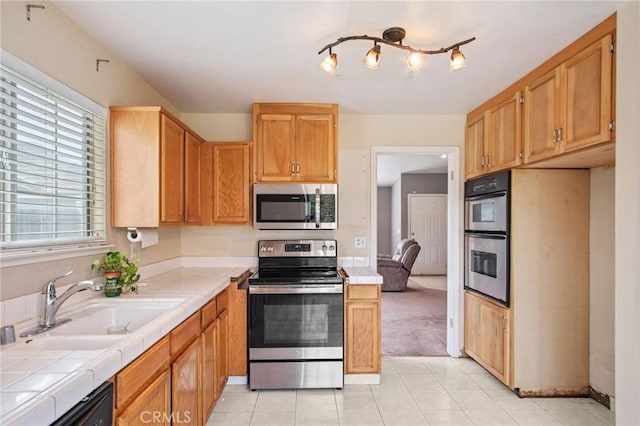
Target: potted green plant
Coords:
[[120, 273]]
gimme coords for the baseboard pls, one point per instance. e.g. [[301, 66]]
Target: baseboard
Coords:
[[602, 398], [361, 379], [237, 380]]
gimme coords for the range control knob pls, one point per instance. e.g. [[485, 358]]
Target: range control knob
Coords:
[[332, 247], [324, 247]]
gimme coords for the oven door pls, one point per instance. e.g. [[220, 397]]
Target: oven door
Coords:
[[487, 265], [295, 322], [487, 212]]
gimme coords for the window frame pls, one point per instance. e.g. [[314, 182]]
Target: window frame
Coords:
[[48, 252]]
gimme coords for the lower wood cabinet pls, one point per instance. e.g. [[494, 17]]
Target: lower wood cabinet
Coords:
[[186, 385], [180, 378], [221, 352], [362, 329], [152, 406], [487, 331]]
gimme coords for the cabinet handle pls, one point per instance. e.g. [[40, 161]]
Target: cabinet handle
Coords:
[[555, 136], [293, 168], [298, 168], [482, 162], [488, 163], [560, 140]]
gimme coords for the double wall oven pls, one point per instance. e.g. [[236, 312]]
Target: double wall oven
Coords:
[[296, 316], [487, 219]]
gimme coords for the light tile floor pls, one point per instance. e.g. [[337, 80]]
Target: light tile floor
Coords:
[[413, 391]]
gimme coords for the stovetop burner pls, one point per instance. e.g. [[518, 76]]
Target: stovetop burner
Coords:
[[296, 262]]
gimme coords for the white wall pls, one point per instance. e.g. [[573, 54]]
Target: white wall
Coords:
[[396, 214], [58, 47], [356, 135], [602, 280], [627, 235]]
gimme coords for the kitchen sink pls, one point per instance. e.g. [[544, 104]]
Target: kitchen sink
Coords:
[[104, 319], [71, 343]]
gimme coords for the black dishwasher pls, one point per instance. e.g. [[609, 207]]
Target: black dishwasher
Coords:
[[95, 409]]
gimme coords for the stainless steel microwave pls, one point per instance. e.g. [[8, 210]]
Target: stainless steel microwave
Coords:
[[295, 206]]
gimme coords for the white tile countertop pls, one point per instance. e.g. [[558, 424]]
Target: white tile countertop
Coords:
[[362, 275], [38, 386]]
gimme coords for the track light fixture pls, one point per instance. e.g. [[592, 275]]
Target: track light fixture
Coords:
[[393, 37]]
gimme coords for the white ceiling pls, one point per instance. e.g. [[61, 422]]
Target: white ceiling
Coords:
[[221, 56]]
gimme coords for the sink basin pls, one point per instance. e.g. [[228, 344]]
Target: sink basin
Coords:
[[71, 343], [109, 319]]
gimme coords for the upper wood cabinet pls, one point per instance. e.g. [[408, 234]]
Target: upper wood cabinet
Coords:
[[295, 142], [504, 144], [571, 106], [192, 185], [154, 165], [475, 145], [226, 183], [493, 138], [549, 116]]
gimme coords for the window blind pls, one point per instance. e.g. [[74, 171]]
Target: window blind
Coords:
[[52, 167]]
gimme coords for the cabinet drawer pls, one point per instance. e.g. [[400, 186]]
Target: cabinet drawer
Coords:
[[208, 313], [184, 334], [363, 292], [222, 300], [133, 378]]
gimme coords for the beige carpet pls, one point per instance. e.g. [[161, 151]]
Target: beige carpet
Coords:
[[414, 321]]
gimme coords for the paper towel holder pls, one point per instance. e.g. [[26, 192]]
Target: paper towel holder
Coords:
[[133, 235]]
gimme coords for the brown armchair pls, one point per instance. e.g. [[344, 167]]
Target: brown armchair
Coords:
[[395, 270]]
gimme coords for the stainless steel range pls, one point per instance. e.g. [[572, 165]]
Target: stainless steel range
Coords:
[[296, 309]]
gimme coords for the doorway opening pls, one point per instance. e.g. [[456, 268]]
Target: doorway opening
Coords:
[[384, 244]]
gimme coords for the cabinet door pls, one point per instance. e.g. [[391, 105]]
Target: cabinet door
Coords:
[[208, 348], [315, 148], [493, 342], [362, 329], [505, 142], [587, 81], [171, 171], [231, 183], [542, 115], [221, 351], [487, 336], [152, 406], [192, 145], [185, 381], [275, 147], [474, 146]]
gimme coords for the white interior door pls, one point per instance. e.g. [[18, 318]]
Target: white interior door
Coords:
[[428, 226]]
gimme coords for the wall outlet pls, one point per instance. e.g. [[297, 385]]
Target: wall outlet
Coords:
[[361, 242], [134, 251]]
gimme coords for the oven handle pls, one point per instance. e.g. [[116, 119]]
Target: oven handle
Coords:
[[485, 196], [317, 207], [485, 235], [296, 289]]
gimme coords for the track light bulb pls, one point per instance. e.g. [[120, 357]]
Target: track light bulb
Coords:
[[330, 63], [457, 60], [373, 57], [415, 61]]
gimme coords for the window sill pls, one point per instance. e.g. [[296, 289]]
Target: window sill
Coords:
[[18, 258]]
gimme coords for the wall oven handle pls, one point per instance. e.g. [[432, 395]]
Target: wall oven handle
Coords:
[[485, 196], [317, 207], [485, 235], [296, 289]]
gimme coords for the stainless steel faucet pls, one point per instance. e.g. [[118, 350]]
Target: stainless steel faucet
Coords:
[[51, 303]]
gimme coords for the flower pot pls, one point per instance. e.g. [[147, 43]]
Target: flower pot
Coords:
[[112, 286]]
